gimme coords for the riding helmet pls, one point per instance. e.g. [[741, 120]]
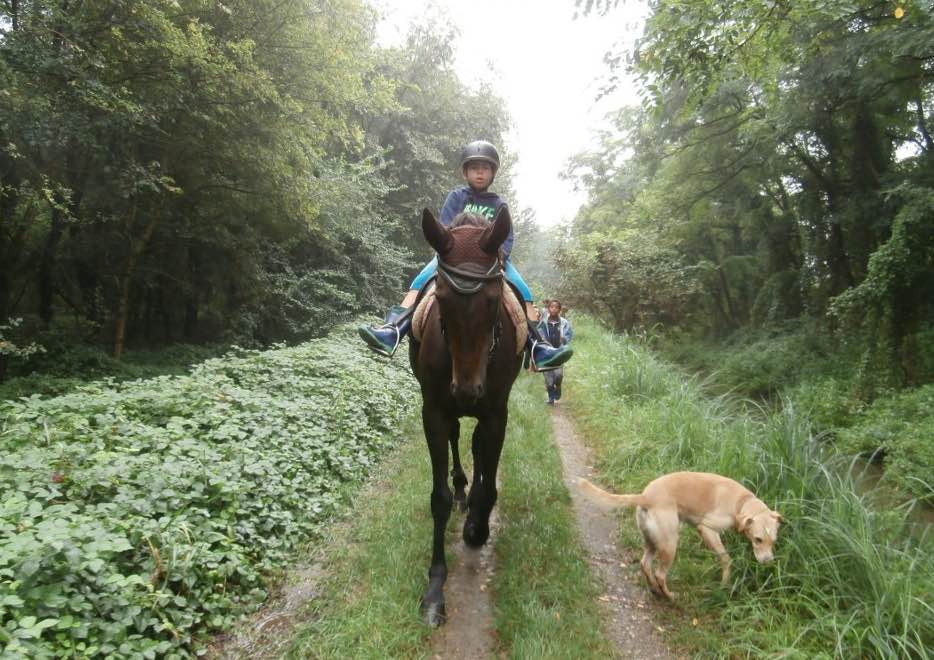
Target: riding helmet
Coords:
[[480, 150]]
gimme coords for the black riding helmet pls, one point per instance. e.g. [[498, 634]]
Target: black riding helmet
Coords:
[[480, 150]]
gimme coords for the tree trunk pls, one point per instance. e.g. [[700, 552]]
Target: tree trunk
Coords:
[[126, 281], [191, 298], [727, 298], [45, 282]]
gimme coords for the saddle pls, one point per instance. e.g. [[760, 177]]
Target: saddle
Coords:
[[515, 312]]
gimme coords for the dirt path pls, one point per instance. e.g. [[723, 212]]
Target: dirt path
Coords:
[[626, 601], [469, 631]]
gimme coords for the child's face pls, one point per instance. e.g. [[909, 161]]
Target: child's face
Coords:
[[554, 309], [479, 174]]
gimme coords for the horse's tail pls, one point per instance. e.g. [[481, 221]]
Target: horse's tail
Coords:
[[607, 499]]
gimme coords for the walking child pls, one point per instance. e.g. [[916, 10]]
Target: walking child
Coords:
[[557, 331]]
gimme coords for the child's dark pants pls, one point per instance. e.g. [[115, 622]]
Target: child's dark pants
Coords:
[[553, 380]]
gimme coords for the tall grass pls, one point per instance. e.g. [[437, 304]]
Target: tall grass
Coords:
[[852, 578]]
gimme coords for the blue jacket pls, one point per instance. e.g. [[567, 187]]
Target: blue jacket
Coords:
[[467, 199], [545, 327]]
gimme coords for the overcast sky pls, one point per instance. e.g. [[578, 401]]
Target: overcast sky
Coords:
[[547, 66]]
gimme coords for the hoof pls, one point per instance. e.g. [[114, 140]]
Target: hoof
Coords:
[[475, 534], [433, 614]]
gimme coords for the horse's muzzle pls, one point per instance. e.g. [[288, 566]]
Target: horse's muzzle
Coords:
[[467, 392]]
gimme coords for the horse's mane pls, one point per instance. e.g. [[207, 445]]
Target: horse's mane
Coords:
[[469, 220]]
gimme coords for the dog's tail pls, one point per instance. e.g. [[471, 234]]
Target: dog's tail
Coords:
[[606, 499]]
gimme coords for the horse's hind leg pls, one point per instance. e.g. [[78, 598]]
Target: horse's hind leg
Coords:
[[436, 428], [457, 472], [487, 444]]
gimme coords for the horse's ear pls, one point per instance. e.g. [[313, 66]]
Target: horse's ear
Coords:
[[494, 235], [435, 233]]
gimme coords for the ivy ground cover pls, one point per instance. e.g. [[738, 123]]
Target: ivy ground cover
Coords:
[[138, 517]]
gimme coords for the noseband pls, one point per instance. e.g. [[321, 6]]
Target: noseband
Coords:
[[468, 283]]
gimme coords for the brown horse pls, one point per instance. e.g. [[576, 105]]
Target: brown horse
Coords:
[[466, 363]]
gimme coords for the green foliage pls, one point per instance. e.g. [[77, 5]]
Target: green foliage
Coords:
[[893, 290], [142, 515], [917, 351], [819, 382], [829, 403], [244, 172], [66, 364], [899, 430], [784, 152], [9, 350], [634, 281], [762, 363]]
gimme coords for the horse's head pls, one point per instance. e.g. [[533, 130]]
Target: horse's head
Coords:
[[469, 292]]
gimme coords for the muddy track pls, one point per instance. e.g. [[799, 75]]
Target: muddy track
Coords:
[[627, 603]]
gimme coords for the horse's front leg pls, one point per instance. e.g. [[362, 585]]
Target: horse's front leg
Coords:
[[487, 445], [457, 472], [436, 433]]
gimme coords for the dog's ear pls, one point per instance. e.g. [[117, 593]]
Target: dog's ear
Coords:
[[745, 523], [779, 517]]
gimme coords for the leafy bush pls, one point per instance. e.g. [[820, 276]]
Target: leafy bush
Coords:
[[139, 516], [66, 363], [918, 356], [761, 363], [10, 349], [900, 428], [829, 403]]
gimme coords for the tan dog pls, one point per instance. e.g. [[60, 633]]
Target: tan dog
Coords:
[[710, 502]]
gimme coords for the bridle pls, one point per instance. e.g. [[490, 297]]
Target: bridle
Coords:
[[467, 283]]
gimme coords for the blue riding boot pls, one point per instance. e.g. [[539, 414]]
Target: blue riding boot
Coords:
[[546, 357], [385, 339]]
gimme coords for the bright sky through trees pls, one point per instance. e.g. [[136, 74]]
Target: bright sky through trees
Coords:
[[548, 67]]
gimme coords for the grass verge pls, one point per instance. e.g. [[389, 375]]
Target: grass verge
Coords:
[[850, 580]]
